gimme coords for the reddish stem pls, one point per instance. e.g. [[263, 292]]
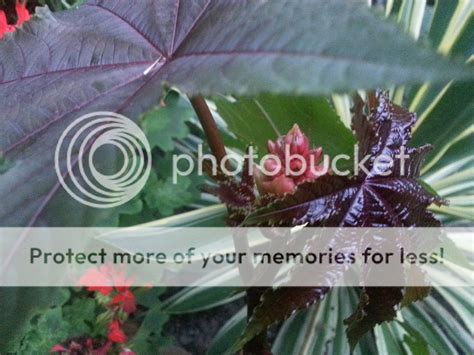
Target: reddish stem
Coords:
[[259, 344], [210, 128]]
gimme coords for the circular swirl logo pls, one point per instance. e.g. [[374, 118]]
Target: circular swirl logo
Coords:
[[81, 141]]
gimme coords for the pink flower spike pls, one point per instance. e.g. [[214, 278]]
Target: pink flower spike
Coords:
[[271, 146], [294, 151], [317, 154]]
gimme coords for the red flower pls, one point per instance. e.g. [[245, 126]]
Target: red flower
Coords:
[[116, 333], [98, 280], [22, 14], [293, 163], [104, 280], [4, 26], [127, 352], [126, 300]]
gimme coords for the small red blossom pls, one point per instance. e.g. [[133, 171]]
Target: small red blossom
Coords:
[[116, 333], [127, 352], [126, 300], [99, 281], [22, 14], [292, 163], [4, 26], [104, 280]]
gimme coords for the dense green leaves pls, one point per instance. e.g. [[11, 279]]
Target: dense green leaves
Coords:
[[58, 324], [166, 126], [163, 124], [148, 337], [443, 14], [18, 306], [320, 328]]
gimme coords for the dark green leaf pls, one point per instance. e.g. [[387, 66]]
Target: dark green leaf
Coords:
[[418, 321], [19, 305], [163, 124], [451, 116], [149, 337], [228, 334], [196, 299], [443, 14], [166, 196], [256, 120]]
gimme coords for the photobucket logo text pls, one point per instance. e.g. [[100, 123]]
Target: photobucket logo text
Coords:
[[291, 164], [77, 171]]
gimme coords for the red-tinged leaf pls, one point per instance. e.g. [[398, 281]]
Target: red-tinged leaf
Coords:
[[117, 55]]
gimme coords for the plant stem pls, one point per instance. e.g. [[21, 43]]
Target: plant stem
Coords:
[[209, 126], [258, 345]]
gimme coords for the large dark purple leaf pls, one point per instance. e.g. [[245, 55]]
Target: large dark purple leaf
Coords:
[[376, 305], [61, 66], [277, 305], [383, 196]]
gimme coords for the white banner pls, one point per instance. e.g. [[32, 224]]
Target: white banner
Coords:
[[236, 256]]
